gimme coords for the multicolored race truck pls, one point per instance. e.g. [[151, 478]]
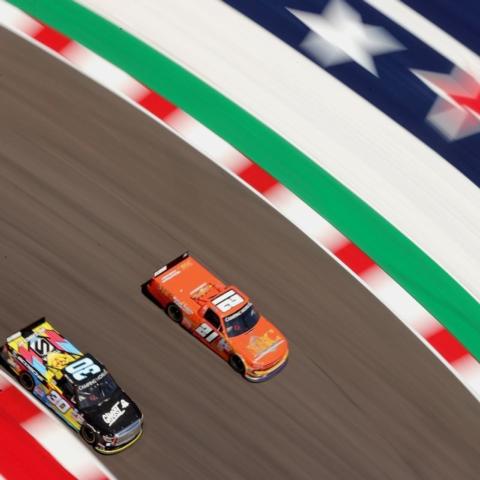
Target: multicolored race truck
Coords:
[[75, 386]]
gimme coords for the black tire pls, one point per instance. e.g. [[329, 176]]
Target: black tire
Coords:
[[237, 364], [26, 381], [174, 312], [89, 435]]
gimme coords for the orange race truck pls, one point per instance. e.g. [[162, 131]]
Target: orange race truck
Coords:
[[220, 316]]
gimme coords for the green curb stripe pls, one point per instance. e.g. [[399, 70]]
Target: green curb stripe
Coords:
[[442, 296]]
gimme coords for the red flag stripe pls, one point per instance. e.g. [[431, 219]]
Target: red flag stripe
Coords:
[[473, 103], [447, 345], [257, 178], [354, 258], [52, 39]]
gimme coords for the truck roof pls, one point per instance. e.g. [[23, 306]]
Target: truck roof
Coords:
[[44, 349]]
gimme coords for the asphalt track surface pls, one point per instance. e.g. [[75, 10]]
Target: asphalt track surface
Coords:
[[94, 196]]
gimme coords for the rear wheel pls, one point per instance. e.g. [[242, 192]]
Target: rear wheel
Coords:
[[174, 312], [88, 434], [237, 364], [26, 381]]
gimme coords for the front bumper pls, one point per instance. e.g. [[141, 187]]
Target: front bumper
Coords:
[[257, 376], [104, 450], [126, 438]]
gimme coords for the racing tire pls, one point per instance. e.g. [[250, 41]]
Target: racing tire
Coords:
[[237, 364], [89, 435], [26, 381], [174, 312]]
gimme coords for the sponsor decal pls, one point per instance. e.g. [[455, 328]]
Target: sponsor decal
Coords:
[[201, 290], [264, 344], [77, 416], [170, 275], [58, 360], [207, 332], [182, 306], [115, 413], [39, 392], [41, 346], [30, 369], [237, 314], [92, 382], [223, 345]]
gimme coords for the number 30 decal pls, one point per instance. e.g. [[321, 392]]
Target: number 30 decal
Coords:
[[82, 368], [58, 401], [206, 332]]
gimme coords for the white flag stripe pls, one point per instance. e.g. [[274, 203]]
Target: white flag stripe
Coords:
[[429, 33]]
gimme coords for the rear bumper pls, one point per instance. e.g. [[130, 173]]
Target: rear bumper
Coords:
[[259, 377]]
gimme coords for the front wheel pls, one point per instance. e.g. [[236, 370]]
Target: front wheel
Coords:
[[88, 434], [237, 364]]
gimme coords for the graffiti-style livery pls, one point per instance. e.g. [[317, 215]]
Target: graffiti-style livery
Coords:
[[75, 386]]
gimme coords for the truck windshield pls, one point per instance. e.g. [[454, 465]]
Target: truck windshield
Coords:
[[96, 391], [241, 321]]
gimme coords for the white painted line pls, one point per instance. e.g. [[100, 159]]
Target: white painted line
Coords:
[[305, 218], [205, 141], [92, 468], [5, 382], [63, 445], [10, 15], [102, 71], [403, 305], [469, 371]]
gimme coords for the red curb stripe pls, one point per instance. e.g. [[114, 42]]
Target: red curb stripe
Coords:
[[159, 106], [447, 345], [16, 405], [354, 258], [52, 39], [257, 178], [27, 459]]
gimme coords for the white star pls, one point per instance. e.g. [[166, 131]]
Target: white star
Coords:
[[456, 111], [339, 36]]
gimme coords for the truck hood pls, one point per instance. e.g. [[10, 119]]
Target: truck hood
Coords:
[[114, 415], [261, 347]]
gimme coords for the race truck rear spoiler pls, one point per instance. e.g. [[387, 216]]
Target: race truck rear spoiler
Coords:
[[26, 331], [171, 264]]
